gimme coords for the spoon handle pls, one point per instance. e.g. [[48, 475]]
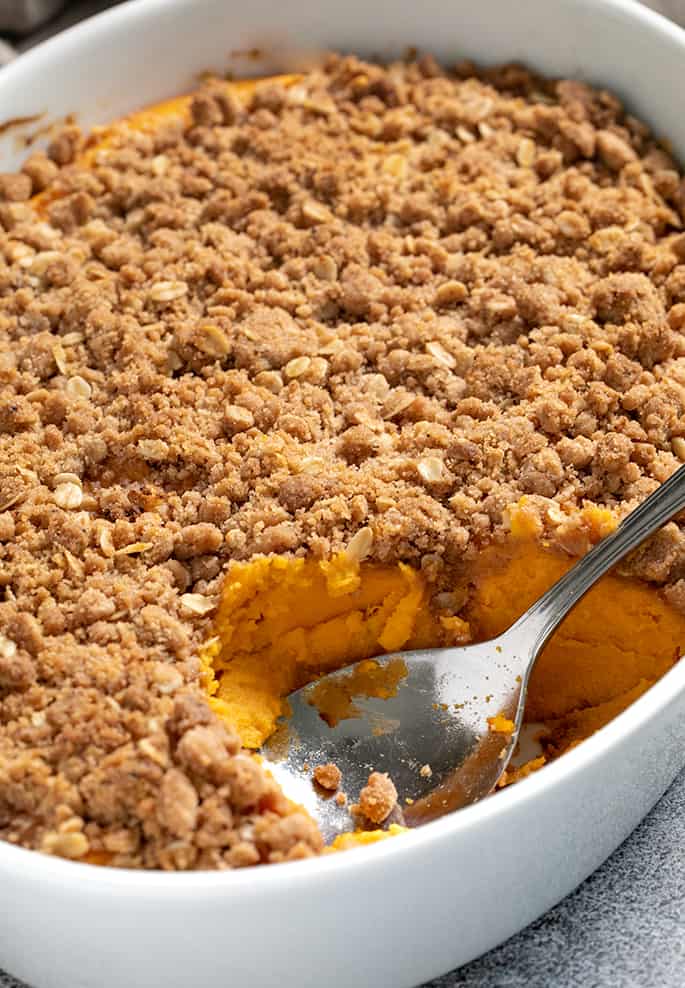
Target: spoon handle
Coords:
[[543, 618]]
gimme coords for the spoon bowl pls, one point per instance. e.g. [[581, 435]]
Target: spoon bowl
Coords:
[[434, 729]]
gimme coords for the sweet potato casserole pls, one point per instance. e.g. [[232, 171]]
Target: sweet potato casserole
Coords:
[[299, 372]]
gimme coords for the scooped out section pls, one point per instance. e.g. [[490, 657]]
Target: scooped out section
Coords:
[[284, 622]]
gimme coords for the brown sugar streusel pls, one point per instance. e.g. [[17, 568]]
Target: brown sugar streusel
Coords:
[[377, 799], [381, 299], [328, 776]]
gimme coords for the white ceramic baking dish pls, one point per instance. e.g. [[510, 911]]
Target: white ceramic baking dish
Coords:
[[412, 908]]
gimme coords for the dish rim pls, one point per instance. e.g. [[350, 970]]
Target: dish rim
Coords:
[[31, 865]]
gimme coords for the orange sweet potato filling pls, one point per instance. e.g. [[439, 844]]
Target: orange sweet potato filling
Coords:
[[282, 622]]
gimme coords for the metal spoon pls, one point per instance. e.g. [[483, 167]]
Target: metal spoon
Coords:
[[442, 700]]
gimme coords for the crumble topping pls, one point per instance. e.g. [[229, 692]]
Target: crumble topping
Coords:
[[370, 309], [377, 799], [328, 776]]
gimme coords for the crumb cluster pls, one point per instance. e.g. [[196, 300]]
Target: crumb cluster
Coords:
[[377, 799], [391, 299], [328, 776]]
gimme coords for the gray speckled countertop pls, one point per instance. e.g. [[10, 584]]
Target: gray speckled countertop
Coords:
[[622, 928]]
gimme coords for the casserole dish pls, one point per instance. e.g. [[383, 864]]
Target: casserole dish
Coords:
[[413, 908]]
